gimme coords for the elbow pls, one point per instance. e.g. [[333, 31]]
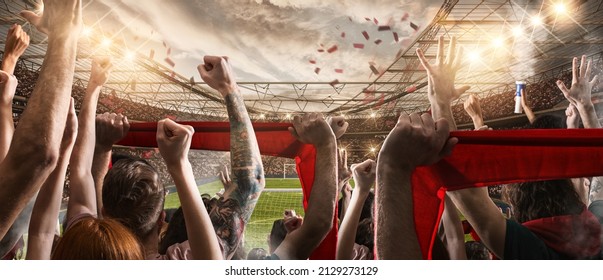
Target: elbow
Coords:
[[40, 157]]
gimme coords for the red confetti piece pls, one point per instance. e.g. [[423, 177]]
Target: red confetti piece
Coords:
[[169, 51], [384, 28], [152, 54], [312, 61], [366, 35], [378, 42], [339, 71], [321, 50], [342, 34], [375, 21], [332, 49], [396, 37], [367, 19], [414, 26], [317, 70], [405, 17], [359, 46], [333, 83], [170, 61], [164, 44], [411, 89], [350, 18]]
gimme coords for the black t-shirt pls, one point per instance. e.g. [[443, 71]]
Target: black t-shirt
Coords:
[[522, 244]]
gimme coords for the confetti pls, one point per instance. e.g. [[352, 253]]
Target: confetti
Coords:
[[152, 54], [405, 17], [374, 69], [384, 28], [317, 70], [321, 50], [359, 46], [375, 21], [164, 44], [340, 71], [367, 19], [332, 49], [333, 83], [366, 35], [312, 61], [342, 34], [169, 51], [350, 18], [414, 26], [378, 42], [170, 61], [396, 37]]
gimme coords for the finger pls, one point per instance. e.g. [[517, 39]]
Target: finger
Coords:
[[442, 127], [458, 59], [415, 119], [4, 76], [461, 90], [222, 178], [582, 66], [561, 86], [451, 51], [575, 70], [293, 133], [587, 72], [31, 17], [449, 147], [428, 122], [203, 71], [126, 125], [423, 60], [212, 61], [344, 157], [440, 55], [345, 126], [404, 118], [160, 130], [594, 81]]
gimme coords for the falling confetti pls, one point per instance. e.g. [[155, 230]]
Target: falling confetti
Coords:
[[359, 46], [405, 17], [312, 61], [374, 69], [340, 71], [317, 70], [375, 21], [384, 28], [378, 42], [333, 83], [332, 49], [152, 54], [366, 35], [414, 26], [170, 62], [342, 34], [396, 37], [321, 50]]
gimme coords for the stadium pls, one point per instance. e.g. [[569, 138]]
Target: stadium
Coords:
[[362, 67]]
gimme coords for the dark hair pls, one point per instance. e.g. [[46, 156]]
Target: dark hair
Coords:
[[277, 234], [548, 122], [542, 199], [257, 254], [175, 233], [365, 234], [476, 251], [367, 207], [133, 194], [98, 239]]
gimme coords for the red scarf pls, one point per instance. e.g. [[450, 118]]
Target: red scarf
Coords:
[[481, 158]]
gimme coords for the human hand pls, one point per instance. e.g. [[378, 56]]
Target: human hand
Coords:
[[8, 86], [225, 179], [417, 140], [580, 92], [338, 125], [101, 70], [573, 116], [218, 74], [70, 133], [441, 75], [524, 99], [312, 129], [343, 172], [174, 141], [292, 221], [17, 42], [110, 128], [472, 106], [364, 175], [59, 17]]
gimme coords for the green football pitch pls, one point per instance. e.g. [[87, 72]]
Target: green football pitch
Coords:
[[270, 207]]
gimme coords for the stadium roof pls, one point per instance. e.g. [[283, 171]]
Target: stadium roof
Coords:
[[504, 41]]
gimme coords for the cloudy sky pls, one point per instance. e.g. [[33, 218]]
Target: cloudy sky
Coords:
[[267, 40]]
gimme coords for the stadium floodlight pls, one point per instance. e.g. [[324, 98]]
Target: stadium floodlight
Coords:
[[474, 56], [373, 115], [373, 150], [560, 8], [130, 56], [262, 116], [536, 20], [86, 31], [288, 116], [517, 31], [106, 42], [498, 42]]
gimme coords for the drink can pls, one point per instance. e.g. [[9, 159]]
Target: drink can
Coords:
[[519, 86]]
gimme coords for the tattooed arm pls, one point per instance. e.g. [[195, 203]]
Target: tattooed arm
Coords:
[[596, 190], [233, 211]]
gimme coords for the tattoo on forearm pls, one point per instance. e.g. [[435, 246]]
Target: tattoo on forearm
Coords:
[[595, 188]]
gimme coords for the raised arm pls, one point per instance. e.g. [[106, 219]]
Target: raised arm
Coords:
[[8, 85], [109, 130], [42, 227], [17, 42], [526, 107], [580, 92], [453, 231], [364, 178], [441, 75], [174, 142], [473, 108], [318, 221], [232, 212], [82, 198], [34, 151], [572, 117], [415, 140]]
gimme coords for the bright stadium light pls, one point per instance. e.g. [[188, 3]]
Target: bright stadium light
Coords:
[[517, 31], [106, 42], [87, 31], [373, 150], [373, 115], [288, 116], [262, 116], [498, 42], [474, 56], [560, 8], [130, 56], [536, 20]]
